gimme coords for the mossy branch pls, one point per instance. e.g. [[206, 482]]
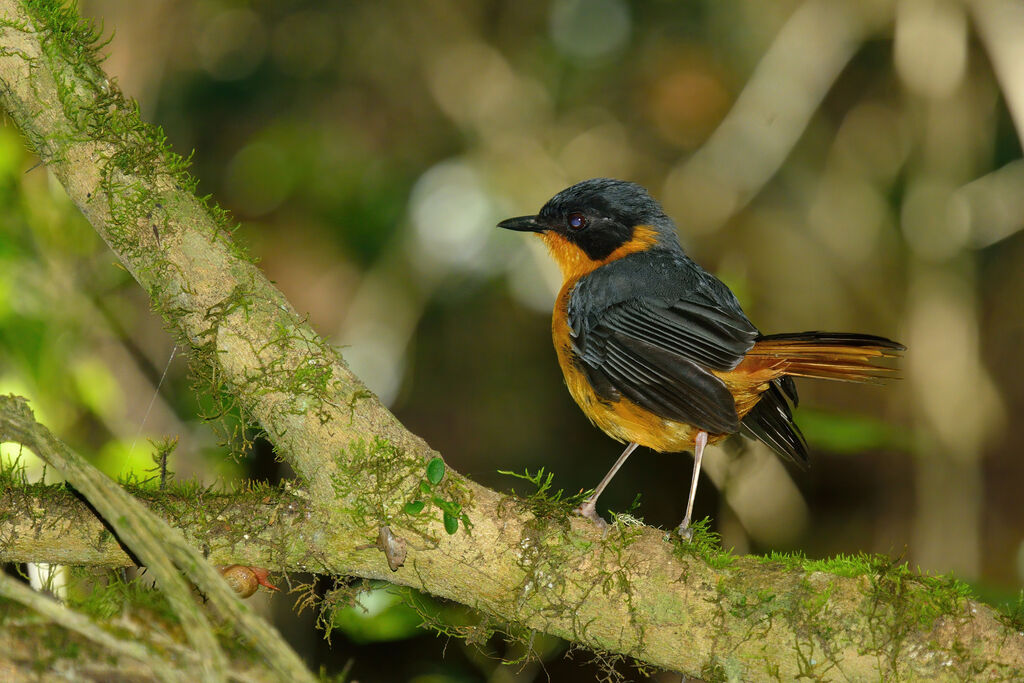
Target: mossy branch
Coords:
[[51, 524], [14, 590], [683, 607], [40, 636], [161, 549]]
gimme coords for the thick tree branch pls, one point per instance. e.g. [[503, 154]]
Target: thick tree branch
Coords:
[[50, 524], [161, 549], [66, 641], [14, 590], [528, 563]]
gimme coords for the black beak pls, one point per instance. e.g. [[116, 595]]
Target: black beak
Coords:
[[523, 224]]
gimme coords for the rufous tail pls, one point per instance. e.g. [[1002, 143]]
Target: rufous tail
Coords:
[[830, 355]]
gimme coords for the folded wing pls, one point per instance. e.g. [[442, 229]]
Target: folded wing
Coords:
[[659, 354]]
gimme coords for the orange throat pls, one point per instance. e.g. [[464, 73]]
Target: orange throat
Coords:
[[575, 263]]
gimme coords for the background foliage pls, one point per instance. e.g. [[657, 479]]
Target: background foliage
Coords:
[[369, 148]]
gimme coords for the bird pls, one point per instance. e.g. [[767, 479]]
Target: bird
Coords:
[[658, 352]]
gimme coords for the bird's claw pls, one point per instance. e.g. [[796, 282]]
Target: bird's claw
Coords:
[[685, 532], [589, 511]]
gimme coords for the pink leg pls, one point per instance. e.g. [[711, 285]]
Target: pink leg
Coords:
[[698, 452], [589, 507]]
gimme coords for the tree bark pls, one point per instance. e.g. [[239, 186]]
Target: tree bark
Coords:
[[527, 563]]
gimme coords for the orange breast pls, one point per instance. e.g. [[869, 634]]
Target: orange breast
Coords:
[[623, 420]]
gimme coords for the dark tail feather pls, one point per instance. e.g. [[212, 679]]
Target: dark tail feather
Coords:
[[771, 421], [830, 355], [822, 355], [836, 338]]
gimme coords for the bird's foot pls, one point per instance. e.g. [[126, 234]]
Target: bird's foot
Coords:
[[685, 532], [589, 510]]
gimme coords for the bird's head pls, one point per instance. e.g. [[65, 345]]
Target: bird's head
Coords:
[[597, 221]]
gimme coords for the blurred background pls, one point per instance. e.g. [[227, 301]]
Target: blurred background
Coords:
[[847, 166]]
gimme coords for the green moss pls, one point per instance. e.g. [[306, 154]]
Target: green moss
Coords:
[[900, 601], [545, 502], [941, 594], [13, 474], [342, 594], [141, 182], [714, 671], [548, 547], [1012, 614], [841, 565], [452, 620], [705, 545], [112, 601], [31, 501], [357, 395], [105, 600], [897, 604], [68, 32], [381, 484]]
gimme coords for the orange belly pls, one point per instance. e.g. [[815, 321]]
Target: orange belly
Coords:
[[626, 421]]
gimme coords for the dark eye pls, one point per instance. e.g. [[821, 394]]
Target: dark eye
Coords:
[[577, 221]]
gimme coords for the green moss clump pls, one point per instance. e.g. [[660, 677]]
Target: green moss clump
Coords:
[[1012, 614], [546, 502], [705, 545], [380, 484], [105, 600]]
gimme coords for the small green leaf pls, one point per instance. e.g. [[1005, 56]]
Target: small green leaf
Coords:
[[414, 508], [451, 523], [424, 488], [435, 471], [449, 506]]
